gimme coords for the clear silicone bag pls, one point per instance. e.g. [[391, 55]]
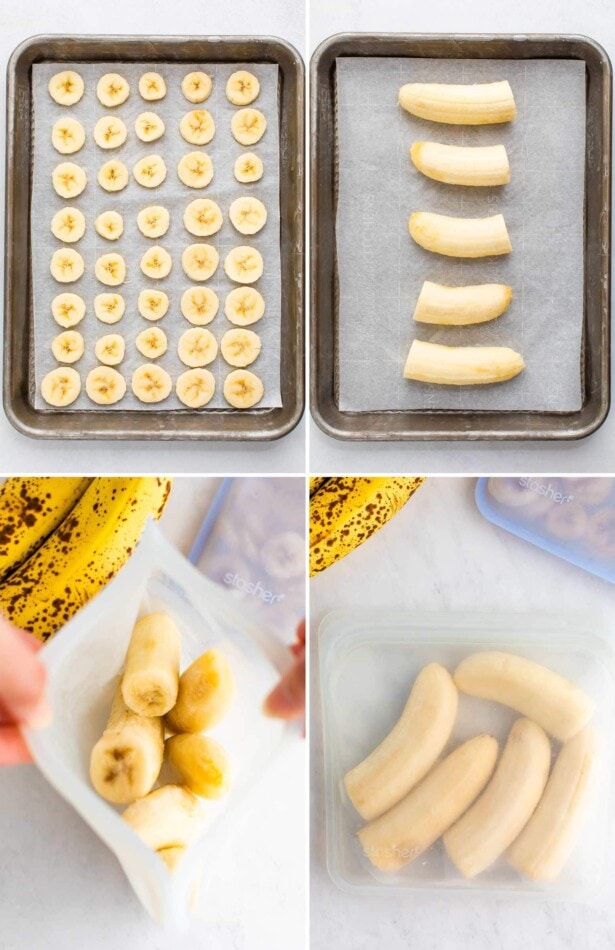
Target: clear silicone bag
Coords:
[[84, 660]]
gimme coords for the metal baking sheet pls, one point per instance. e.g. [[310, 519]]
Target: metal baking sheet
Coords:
[[455, 424], [165, 423]]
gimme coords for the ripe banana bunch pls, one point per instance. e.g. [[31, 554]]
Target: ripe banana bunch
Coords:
[[109, 307], [68, 225], [240, 347], [460, 237], [197, 86], [248, 126], [197, 127], [248, 167], [206, 693], [243, 389], [149, 127], [461, 365], [151, 675], [150, 172], [201, 762], [242, 88], [244, 306], [248, 215], [461, 306], [169, 817], [61, 387], [110, 269], [200, 261], [479, 104], [66, 265], [203, 217], [152, 87], [156, 263], [199, 305], [67, 136], [152, 304], [345, 512], [151, 383], [244, 265], [110, 132], [112, 90], [68, 310], [105, 386], [153, 221], [83, 553], [66, 88], [68, 180], [110, 349], [110, 225], [68, 347], [462, 165], [195, 388], [113, 175], [197, 347], [195, 170], [152, 343]]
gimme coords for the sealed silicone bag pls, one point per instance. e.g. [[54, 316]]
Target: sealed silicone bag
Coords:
[[368, 663], [84, 660], [573, 518]]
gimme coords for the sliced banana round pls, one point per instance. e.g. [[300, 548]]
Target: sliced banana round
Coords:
[[66, 265], [112, 90], [242, 88], [195, 170], [203, 217], [68, 309], [68, 225], [68, 347], [197, 347], [110, 132], [110, 349], [199, 305], [248, 167], [240, 347], [109, 307], [150, 171], [68, 180], [105, 385], [248, 215], [67, 136], [149, 127], [195, 387], [110, 225], [153, 304], [66, 88], [156, 263], [248, 126], [244, 264], [244, 306], [152, 342], [110, 269], [243, 389], [200, 261], [113, 176], [197, 127], [61, 386], [196, 87], [151, 383], [152, 87], [153, 221]]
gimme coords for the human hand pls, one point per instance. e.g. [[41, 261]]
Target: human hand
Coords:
[[22, 691], [287, 700]]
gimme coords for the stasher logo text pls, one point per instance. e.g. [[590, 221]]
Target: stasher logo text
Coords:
[[549, 490], [254, 588]]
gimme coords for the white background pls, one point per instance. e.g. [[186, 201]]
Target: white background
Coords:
[[594, 18], [439, 553], [18, 20]]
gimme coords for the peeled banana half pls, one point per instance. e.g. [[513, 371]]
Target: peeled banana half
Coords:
[[462, 164], [461, 365], [460, 237], [459, 104], [461, 306]]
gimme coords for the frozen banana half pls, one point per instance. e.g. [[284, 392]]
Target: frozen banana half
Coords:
[[151, 677], [206, 692], [201, 763], [461, 306], [484, 103], [460, 237], [169, 817], [461, 365], [462, 164]]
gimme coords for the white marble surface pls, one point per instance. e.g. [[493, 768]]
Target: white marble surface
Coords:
[[593, 18], [61, 888], [284, 18], [439, 553]]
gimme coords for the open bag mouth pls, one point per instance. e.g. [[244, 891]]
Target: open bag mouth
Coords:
[[83, 662]]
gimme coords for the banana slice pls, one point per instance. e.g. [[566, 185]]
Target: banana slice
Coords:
[[68, 225], [195, 388], [460, 237], [202, 764], [110, 349], [152, 342], [68, 347], [461, 365], [248, 167], [248, 126], [153, 304], [203, 217], [244, 265], [197, 127], [195, 170], [200, 261], [152, 87], [68, 180], [149, 127], [154, 221], [109, 308], [66, 265], [196, 87], [113, 176], [110, 269], [105, 386], [112, 90], [151, 383], [110, 132], [199, 305], [61, 386], [461, 306], [242, 88], [461, 164], [156, 263], [68, 309], [480, 104], [244, 306], [240, 347], [66, 88], [67, 136], [169, 817], [242, 389], [150, 171], [110, 225], [197, 347], [248, 215]]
